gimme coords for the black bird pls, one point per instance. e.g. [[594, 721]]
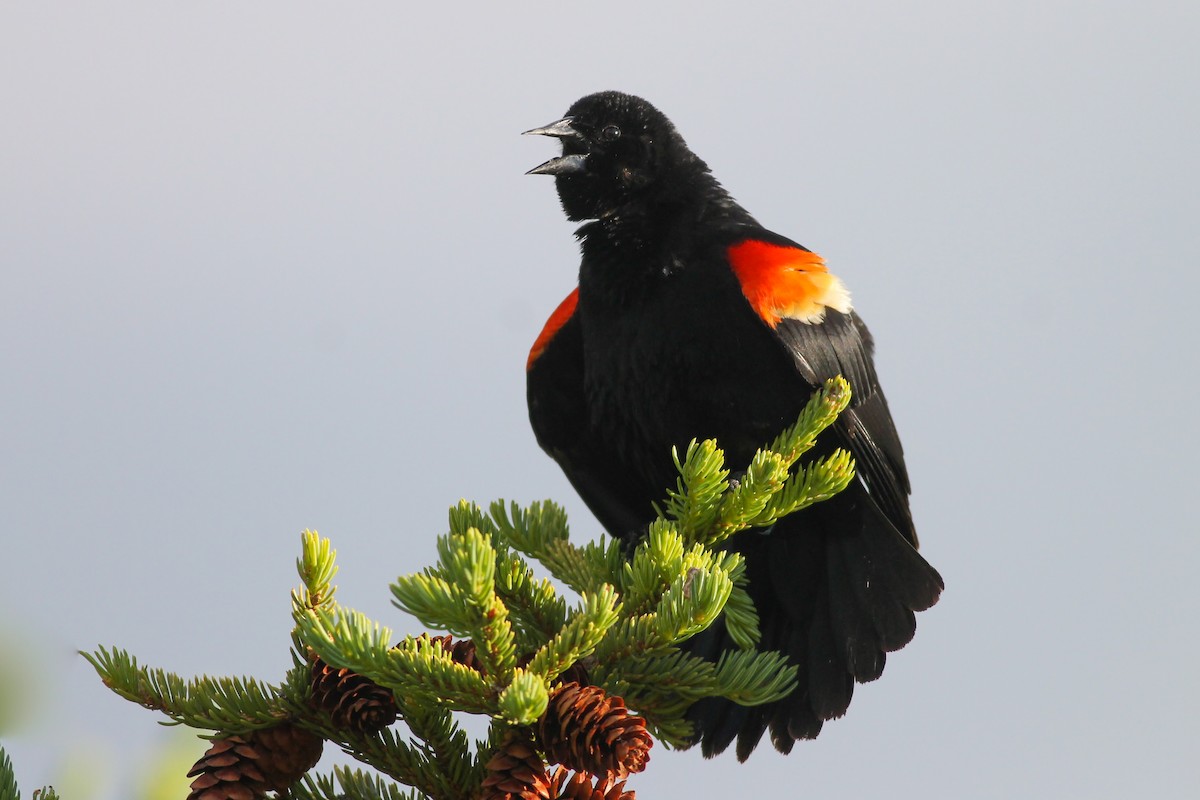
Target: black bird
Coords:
[[692, 321]]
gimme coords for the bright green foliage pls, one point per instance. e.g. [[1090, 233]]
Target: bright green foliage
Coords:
[[579, 636], [703, 481], [817, 415], [540, 532], [741, 618], [459, 595], [8, 782], [350, 784], [525, 699], [220, 704], [719, 508], [316, 569], [634, 608]]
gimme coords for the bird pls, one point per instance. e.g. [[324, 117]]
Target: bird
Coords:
[[689, 321]]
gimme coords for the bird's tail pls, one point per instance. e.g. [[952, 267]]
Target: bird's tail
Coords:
[[837, 587]]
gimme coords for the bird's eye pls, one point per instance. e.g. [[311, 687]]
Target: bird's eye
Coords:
[[610, 133]]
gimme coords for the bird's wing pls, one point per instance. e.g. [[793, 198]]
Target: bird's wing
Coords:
[[558, 413], [809, 311], [837, 585]]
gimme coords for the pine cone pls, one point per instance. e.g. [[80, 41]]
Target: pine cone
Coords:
[[352, 701], [516, 771], [590, 731], [568, 785], [461, 652], [576, 673], [248, 766]]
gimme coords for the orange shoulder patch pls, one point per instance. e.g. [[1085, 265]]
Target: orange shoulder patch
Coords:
[[786, 283], [553, 325]]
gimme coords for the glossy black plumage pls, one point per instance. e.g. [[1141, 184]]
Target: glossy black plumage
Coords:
[[665, 346]]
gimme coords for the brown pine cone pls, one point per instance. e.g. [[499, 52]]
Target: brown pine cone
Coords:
[[461, 652], [516, 771], [576, 673], [568, 785], [352, 701], [591, 731], [247, 766]]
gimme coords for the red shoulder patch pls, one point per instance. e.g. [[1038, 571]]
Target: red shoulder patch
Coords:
[[786, 282], [553, 325]]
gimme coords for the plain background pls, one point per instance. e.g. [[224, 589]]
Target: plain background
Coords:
[[271, 266]]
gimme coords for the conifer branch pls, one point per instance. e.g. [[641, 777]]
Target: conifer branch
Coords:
[[350, 784], [417, 666], [537, 666], [525, 699], [8, 779], [579, 636], [741, 618], [446, 747], [536, 608], [217, 704], [752, 678], [703, 481], [541, 532], [819, 413], [633, 636], [317, 570], [386, 752], [709, 507]]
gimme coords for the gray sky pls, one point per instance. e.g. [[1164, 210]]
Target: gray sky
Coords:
[[273, 266]]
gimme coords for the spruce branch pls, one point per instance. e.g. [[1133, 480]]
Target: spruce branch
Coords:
[[594, 680], [751, 678], [741, 618], [446, 748], [541, 532], [746, 500], [818, 414], [469, 563], [8, 781], [460, 595], [317, 569], [407, 763], [217, 704], [818, 481], [535, 606], [581, 634], [709, 507], [703, 481], [350, 784], [525, 699], [417, 666], [631, 636], [466, 515], [692, 603]]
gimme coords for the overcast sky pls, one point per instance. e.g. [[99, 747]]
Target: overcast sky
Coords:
[[273, 266]]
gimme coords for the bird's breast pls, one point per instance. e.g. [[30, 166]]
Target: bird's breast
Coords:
[[682, 356]]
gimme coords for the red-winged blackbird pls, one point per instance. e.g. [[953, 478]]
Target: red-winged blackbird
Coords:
[[692, 321]]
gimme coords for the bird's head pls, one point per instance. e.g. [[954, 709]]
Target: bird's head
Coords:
[[618, 150]]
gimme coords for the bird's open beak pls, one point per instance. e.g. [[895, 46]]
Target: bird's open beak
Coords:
[[559, 130], [564, 164]]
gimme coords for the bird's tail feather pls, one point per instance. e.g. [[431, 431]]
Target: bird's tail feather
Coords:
[[838, 589]]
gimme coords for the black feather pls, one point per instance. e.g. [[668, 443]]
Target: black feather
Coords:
[[664, 347]]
